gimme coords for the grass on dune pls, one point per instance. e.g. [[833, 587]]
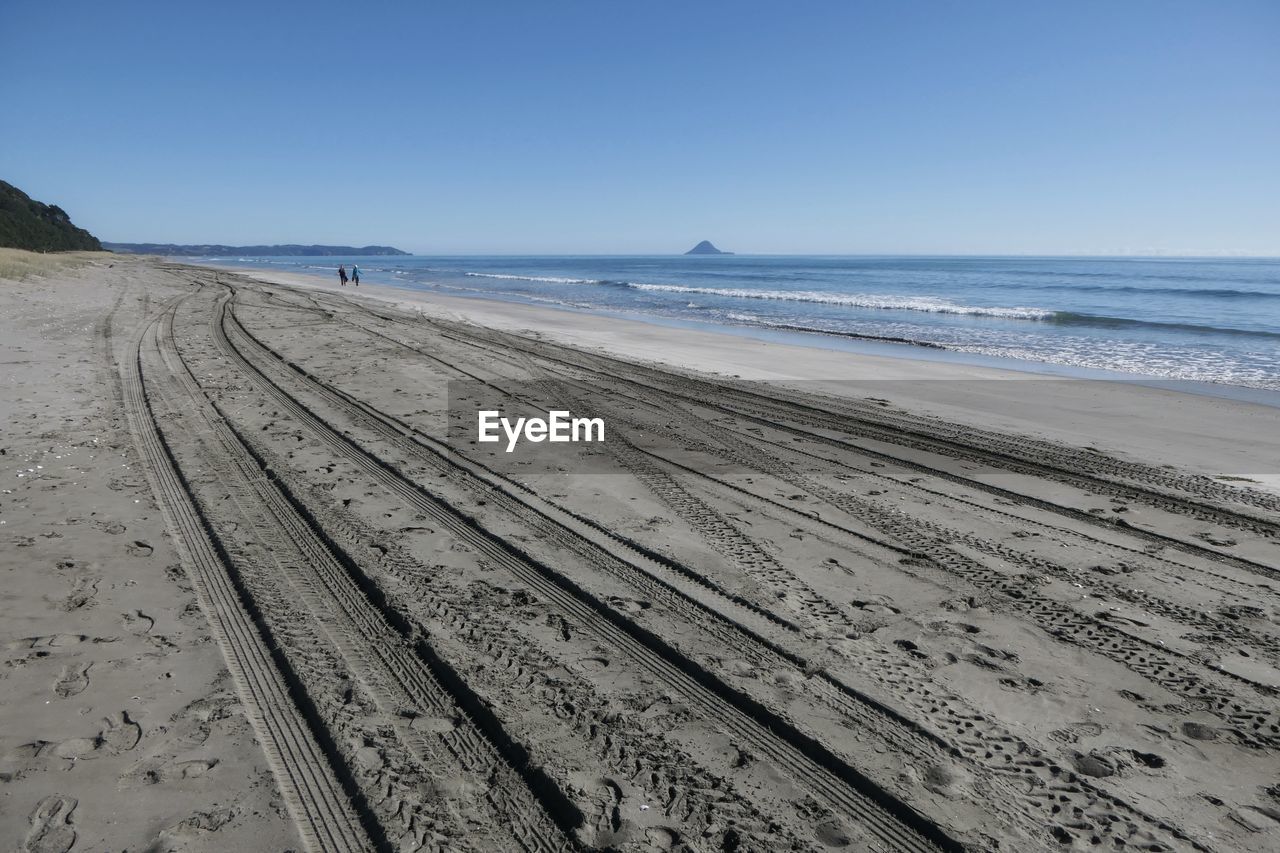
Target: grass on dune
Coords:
[[18, 264]]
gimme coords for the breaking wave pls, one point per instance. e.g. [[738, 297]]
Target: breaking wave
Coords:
[[857, 300], [546, 279]]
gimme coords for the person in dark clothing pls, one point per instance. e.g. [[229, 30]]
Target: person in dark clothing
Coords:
[[355, 275], [342, 275]]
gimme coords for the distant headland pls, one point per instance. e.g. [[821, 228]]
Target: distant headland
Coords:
[[38, 227], [289, 250], [705, 248]]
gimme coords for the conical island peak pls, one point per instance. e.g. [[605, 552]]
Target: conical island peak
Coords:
[[705, 248]]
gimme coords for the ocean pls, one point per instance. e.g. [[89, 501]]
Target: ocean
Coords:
[[1206, 320]]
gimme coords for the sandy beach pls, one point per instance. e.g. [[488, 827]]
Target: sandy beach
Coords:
[[258, 594]]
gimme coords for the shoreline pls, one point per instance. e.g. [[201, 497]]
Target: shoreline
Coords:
[[856, 343], [1148, 420]]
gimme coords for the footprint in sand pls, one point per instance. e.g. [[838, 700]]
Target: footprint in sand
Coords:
[[138, 622], [153, 771], [1199, 731], [1092, 764], [832, 833], [880, 605], [605, 824], [51, 828], [659, 838], [31, 643], [35, 648], [119, 734], [1075, 731], [55, 641], [182, 834], [74, 679], [195, 768], [18, 761], [83, 593], [139, 548], [629, 605]]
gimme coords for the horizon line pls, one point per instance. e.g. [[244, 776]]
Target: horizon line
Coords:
[[1099, 255]]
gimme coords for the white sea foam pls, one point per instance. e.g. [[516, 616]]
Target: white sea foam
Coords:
[[857, 300], [852, 300], [1134, 359], [547, 279]]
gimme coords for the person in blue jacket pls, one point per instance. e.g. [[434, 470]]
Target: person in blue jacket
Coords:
[[355, 275]]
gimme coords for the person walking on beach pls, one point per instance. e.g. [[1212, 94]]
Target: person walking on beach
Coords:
[[342, 275], [355, 275]]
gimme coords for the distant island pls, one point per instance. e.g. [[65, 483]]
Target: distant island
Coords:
[[705, 248], [290, 250], [38, 227]]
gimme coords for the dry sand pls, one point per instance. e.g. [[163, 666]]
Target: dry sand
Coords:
[[119, 724], [841, 602]]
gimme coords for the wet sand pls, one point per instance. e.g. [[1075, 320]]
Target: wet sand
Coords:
[[797, 599]]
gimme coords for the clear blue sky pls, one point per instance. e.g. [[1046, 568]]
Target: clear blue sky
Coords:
[[608, 127]]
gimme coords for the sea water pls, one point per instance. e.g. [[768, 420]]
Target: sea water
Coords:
[[1203, 319]]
